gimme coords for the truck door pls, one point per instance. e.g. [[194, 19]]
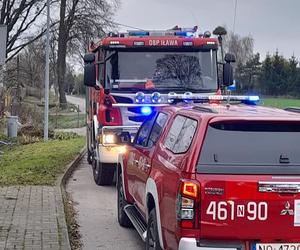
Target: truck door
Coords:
[[140, 142], [144, 150]]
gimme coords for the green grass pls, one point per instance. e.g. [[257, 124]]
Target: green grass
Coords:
[[67, 121], [280, 102], [39, 163]]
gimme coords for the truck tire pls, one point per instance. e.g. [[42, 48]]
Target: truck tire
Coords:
[[152, 240], [123, 219], [89, 156], [103, 173], [88, 142]]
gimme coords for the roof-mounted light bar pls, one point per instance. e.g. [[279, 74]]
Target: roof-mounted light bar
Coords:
[[176, 31], [189, 96], [156, 99]]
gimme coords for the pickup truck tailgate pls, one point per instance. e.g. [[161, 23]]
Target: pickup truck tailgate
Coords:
[[250, 180], [252, 207]]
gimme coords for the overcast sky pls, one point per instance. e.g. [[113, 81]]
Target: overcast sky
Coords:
[[274, 24]]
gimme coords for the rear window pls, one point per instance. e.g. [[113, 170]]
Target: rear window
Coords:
[[251, 148]]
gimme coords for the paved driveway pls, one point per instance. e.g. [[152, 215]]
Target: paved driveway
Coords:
[[97, 214], [77, 101]]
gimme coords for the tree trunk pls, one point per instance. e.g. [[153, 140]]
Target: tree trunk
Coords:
[[62, 52]]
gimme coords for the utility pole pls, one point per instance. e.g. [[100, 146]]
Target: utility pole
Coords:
[[234, 18], [46, 114], [3, 40]]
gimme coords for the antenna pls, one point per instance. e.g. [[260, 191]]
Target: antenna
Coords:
[[235, 7], [127, 26]]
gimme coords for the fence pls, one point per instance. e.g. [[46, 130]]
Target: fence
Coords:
[[60, 116], [67, 116]]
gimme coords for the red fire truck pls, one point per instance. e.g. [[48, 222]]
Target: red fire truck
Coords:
[[130, 74]]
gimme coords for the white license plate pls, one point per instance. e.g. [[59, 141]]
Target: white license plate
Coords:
[[277, 246]]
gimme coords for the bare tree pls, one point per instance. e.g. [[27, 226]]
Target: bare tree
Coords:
[[241, 47], [80, 21], [184, 70], [22, 18]]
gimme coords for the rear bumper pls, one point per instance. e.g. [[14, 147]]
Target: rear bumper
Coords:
[[191, 244]]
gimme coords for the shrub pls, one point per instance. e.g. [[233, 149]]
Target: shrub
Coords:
[[59, 135]]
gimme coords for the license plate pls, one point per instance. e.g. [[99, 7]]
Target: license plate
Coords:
[[277, 246]]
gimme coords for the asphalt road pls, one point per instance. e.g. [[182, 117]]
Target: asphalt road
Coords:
[[77, 101], [97, 214]]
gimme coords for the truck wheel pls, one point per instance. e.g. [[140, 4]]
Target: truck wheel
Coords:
[[89, 156], [89, 153], [103, 173], [122, 216], [152, 240]]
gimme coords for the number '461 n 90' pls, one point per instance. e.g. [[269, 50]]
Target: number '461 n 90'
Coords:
[[228, 210]]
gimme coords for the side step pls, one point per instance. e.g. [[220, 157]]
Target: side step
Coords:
[[136, 220], [293, 109]]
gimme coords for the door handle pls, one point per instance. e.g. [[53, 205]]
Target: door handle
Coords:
[[136, 162], [147, 166]]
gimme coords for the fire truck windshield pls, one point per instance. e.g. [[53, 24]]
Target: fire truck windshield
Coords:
[[153, 70]]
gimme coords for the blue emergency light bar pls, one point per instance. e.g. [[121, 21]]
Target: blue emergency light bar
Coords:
[[138, 33], [188, 97], [146, 110], [156, 99], [182, 32]]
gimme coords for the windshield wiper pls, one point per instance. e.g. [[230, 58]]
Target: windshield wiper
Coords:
[[188, 89]]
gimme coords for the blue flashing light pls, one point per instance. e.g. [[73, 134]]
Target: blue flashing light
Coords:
[[251, 100], [139, 33], [232, 87], [184, 33], [146, 110], [254, 98]]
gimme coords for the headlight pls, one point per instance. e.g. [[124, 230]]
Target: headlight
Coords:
[[122, 150], [109, 139]]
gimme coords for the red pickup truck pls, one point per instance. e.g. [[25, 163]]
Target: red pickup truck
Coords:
[[213, 176]]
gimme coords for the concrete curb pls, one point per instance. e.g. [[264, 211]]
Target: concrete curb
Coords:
[[61, 186], [70, 169]]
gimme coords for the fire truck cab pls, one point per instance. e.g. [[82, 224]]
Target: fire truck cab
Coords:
[[129, 74]]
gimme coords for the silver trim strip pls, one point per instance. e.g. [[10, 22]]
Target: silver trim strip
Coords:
[[279, 187], [132, 105], [286, 177]]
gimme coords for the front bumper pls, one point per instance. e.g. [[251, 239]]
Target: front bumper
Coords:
[[192, 244], [110, 154]]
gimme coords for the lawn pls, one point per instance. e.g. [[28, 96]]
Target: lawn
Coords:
[[67, 121], [280, 102], [39, 163]]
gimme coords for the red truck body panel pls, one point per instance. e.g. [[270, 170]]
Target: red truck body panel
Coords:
[[229, 206], [163, 41]]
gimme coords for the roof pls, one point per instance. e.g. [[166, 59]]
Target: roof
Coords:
[[234, 110]]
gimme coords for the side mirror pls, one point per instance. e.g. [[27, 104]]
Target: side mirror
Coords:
[[227, 74], [89, 70], [89, 58], [229, 58], [228, 70], [124, 138]]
